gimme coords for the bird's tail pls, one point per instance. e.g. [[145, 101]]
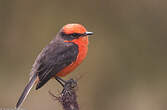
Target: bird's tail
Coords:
[[26, 91]]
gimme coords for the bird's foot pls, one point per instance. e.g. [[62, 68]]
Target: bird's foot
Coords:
[[61, 81], [66, 84]]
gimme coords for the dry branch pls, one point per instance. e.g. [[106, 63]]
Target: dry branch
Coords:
[[68, 97]]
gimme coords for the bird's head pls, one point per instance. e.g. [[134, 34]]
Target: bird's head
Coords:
[[75, 33]]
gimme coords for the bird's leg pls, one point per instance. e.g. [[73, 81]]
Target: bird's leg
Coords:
[[60, 80]]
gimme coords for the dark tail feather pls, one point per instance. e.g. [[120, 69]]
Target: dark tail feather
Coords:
[[26, 91], [41, 83]]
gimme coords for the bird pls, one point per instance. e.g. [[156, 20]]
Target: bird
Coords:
[[60, 57]]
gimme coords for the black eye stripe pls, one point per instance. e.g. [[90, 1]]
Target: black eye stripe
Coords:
[[75, 34], [71, 36]]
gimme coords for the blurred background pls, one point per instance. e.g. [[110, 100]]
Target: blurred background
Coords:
[[126, 66]]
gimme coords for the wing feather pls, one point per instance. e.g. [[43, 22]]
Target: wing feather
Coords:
[[54, 58]]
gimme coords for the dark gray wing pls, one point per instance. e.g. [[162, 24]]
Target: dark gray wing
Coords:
[[54, 58]]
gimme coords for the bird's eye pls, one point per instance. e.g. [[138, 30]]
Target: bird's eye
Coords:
[[76, 34], [71, 36]]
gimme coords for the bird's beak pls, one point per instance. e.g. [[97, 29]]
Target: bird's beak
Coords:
[[88, 33]]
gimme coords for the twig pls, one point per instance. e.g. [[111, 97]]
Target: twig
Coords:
[[68, 97]]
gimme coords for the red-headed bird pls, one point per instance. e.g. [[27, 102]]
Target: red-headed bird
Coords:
[[61, 56]]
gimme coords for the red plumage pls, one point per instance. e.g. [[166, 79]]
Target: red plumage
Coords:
[[60, 57]]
